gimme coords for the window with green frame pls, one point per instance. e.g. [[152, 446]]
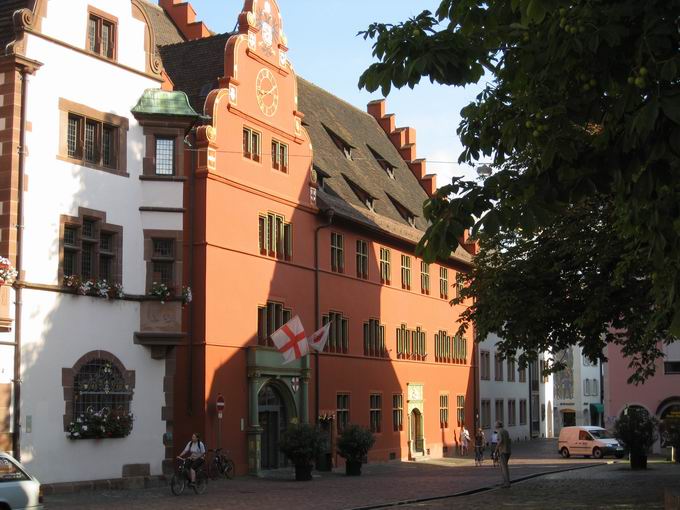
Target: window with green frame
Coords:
[[338, 336], [444, 411], [385, 272], [275, 236], [398, 412], [425, 278], [362, 259], [375, 412], [342, 411], [374, 339], [411, 344], [443, 283], [460, 409], [270, 318], [406, 272], [337, 252]]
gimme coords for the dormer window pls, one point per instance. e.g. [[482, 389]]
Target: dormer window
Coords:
[[321, 177], [408, 216], [340, 143], [363, 196], [384, 164]]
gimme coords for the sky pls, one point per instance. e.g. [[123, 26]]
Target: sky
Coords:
[[325, 49]]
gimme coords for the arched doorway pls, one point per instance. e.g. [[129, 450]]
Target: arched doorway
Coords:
[[417, 431], [273, 418]]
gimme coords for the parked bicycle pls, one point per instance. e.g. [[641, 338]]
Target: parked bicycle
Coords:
[[221, 465], [181, 479]]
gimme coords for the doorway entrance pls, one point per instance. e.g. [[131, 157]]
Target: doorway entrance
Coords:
[[273, 420], [568, 418], [417, 431]]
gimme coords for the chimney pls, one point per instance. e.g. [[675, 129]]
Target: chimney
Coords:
[[184, 17], [404, 139]]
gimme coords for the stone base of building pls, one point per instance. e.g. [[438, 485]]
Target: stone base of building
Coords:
[[135, 476]]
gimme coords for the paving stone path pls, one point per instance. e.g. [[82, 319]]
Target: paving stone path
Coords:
[[381, 484], [612, 486]]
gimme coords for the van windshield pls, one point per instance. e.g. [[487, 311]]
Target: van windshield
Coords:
[[600, 434]]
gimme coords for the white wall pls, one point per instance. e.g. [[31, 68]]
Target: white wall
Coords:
[[60, 328], [580, 404], [493, 390]]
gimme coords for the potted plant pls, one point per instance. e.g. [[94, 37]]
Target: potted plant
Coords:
[[637, 431], [353, 446], [301, 443]]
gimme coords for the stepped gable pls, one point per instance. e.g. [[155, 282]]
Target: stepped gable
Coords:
[[184, 17], [324, 111], [165, 29], [7, 9]]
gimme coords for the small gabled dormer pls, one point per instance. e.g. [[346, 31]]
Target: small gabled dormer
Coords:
[[340, 143], [405, 213], [321, 177], [364, 196], [384, 164]]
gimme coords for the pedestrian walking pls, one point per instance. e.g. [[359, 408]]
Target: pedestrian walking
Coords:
[[504, 449], [464, 440], [479, 447]]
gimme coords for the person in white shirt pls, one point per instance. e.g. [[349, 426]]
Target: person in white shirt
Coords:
[[195, 450], [464, 440]]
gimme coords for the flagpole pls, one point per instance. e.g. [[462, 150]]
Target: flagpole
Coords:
[[317, 310]]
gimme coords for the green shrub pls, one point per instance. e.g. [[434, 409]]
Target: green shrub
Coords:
[[637, 430], [355, 442], [301, 443]]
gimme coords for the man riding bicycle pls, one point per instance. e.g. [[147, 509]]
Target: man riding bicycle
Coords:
[[196, 454]]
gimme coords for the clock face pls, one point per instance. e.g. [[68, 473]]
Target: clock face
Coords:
[[267, 92]]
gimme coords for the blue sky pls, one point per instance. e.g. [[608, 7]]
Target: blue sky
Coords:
[[325, 49]]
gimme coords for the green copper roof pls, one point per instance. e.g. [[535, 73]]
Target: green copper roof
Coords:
[[161, 102]]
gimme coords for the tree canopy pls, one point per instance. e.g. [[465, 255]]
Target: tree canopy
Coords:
[[581, 104]]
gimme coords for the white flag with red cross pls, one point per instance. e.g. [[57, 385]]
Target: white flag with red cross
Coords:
[[291, 341], [318, 340]]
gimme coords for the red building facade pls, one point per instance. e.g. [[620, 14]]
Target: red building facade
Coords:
[[300, 204]]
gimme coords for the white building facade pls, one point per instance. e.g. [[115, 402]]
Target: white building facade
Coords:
[[520, 398], [102, 220], [578, 391]]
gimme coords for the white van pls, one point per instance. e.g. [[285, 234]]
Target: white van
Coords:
[[588, 441]]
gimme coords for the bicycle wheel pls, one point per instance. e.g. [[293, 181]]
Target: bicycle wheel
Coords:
[[201, 482], [177, 484], [214, 469], [229, 469]]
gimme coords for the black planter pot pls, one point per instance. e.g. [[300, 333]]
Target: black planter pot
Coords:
[[303, 472], [353, 468], [638, 461]]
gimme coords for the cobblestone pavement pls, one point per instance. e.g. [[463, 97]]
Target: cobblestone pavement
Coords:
[[612, 486], [381, 483]]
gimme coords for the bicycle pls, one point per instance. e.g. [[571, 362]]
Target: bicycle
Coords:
[[221, 465], [182, 478], [495, 457]]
